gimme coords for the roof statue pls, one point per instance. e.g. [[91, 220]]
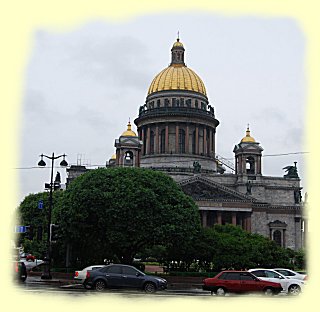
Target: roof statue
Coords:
[[292, 171]]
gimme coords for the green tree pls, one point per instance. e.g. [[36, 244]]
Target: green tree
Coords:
[[37, 220], [229, 246], [121, 211]]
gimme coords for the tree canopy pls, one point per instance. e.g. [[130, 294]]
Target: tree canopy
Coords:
[[121, 211]]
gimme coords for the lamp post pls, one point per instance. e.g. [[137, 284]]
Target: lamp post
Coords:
[[46, 274]]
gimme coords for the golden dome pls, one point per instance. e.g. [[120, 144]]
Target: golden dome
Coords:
[[113, 156], [178, 44], [248, 138], [129, 132], [177, 77]]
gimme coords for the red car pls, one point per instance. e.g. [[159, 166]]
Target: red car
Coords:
[[239, 282]]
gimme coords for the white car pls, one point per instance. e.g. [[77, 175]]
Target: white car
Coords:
[[292, 274], [81, 275], [290, 286], [30, 264]]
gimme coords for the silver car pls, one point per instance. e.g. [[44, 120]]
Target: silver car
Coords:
[[81, 275], [292, 274], [290, 286]]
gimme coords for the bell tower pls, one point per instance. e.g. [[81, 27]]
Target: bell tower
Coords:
[[248, 156], [128, 149]]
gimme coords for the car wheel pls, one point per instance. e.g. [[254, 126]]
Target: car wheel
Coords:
[[149, 288], [220, 291], [100, 285], [268, 291], [294, 290]]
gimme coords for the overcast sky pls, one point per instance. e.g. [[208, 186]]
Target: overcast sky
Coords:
[[82, 86]]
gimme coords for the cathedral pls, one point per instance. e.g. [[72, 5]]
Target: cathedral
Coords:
[[176, 130]]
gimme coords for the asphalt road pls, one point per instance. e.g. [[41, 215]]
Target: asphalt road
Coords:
[[37, 286]]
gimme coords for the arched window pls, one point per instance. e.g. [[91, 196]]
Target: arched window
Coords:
[[128, 158], [250, 165], [182, 141], [151, 142], [162, 141], [277, 237]]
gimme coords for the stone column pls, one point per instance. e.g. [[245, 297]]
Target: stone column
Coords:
[[157, 140], [187, 140], [210, 143], [258, 171], [177, 140], [117, 157], [167, 140], [214, 142], [205, 152], [121, 159], [249, 223], [298, 233], [246, 223], [204, 218], [197, 140], [142, 138], [219, 217], [234, 218], [148, 141], [137, 158]]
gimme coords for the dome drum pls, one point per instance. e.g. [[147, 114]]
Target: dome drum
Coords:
[[176, 124]]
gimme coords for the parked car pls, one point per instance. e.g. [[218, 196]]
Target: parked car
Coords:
[[81, 275], [292, 274], [30, 264], [20, 271], [290, 286], [123, 276], [239, 282]]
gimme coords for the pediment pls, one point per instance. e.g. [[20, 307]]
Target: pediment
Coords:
[[129, 140], [200, 188]]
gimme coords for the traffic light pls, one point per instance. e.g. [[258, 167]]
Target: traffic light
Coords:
[[54, 232], [29, 232]]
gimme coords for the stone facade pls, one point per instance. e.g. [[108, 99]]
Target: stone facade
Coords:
[[177, 126], [176, 134]]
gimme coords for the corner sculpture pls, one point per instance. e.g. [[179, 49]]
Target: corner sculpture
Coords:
[[249, 186], [297, 196], [292, 171], [196, 167]]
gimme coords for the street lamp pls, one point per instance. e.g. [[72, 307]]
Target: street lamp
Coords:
[[46, 274]]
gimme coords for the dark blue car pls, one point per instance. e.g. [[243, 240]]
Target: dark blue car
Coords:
[[123, 276]]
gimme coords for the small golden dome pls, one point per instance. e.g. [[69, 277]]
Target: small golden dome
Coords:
[[129, 132], [178, 44], [248, 138], [113, 157], [177, 77]]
